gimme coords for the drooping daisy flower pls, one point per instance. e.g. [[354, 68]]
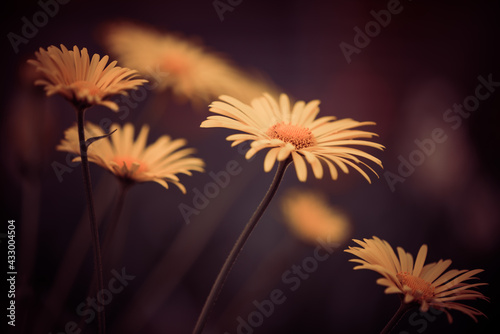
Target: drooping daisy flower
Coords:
[[312, 219], [133, 161], [428, 285], [176, 63], [294, 131], [82, 81]]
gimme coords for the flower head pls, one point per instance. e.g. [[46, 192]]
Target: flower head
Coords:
[[133, 161], [176, 63], [294, 130], [312, 219], [428, 285], [81, 80]]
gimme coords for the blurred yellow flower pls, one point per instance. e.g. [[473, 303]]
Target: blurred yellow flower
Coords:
[[428, 285], [133, 161], [183, 65], [311, 218], [294, 130], [82, 81]]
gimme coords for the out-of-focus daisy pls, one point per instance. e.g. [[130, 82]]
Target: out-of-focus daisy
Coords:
[[294, 130], [428, 285], [312, 219], [82, 81], [133, 161], [183, 65]]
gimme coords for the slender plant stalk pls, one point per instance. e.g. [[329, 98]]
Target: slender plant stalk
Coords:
[[115, 218], [403, 308], [93, 222], [108, 237], [233, 255]]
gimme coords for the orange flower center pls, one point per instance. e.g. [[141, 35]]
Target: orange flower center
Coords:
[[420, 289], [297, 136], [128, 162], [87, 88], [175, 65]]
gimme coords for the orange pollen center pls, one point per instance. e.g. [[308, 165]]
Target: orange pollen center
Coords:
[[88, 87], [296, 135], [175, 65], [420, 289], [128, 162]]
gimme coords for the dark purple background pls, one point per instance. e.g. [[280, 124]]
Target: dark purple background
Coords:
[[428, 58]]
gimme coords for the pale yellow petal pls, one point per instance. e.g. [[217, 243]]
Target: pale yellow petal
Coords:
[[271, 158], [300, 166]]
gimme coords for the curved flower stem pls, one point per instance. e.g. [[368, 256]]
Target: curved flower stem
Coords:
[[233, 255], [403, 308], [93, 223]]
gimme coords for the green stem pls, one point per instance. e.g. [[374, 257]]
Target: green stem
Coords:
[[233, 255], [93, 222], [403, 308]]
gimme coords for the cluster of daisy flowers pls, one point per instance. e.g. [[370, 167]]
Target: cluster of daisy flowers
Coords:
[[85, 83], [289, 132]]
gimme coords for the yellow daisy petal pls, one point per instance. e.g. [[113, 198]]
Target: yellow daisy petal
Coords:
[[82, 81]]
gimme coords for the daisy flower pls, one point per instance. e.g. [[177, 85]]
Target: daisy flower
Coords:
[[133, 161], [184, 66], [82, 81], [294, 130], [428, 285], [291, 134], [311, 218]]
